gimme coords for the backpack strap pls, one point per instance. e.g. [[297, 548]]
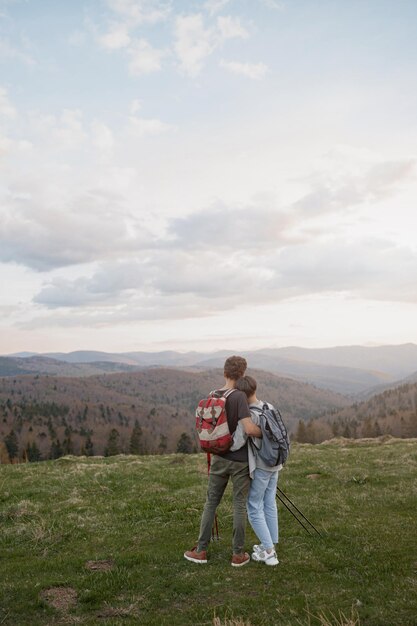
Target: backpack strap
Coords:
[[258, 408], [265, 407], [225, 394]]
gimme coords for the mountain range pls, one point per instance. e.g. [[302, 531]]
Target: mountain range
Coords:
[[350, 370]]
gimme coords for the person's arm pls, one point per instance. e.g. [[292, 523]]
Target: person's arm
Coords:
[[250, 428]]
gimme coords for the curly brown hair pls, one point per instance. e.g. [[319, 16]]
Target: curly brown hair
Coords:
[[235, 367]]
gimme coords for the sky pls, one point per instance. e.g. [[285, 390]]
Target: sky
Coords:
[[179, 174]]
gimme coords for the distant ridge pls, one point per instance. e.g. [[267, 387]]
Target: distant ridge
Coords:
[[350, 370]]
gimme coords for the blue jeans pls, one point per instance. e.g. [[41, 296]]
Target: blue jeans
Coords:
[[262, 507]]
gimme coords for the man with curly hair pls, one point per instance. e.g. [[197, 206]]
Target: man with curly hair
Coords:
[[233, 465]]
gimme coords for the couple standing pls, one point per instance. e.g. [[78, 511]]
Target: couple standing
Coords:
[[254, 483]]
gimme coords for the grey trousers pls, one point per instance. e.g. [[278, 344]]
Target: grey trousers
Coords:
[[220, 472]]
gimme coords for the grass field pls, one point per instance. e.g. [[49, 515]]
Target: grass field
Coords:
[[100, 541]]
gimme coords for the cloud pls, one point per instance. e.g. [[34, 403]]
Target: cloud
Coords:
[[230, 27], [102, 137], [86, 228], [6, 108], [375, 182], [128, 16], [165, 285], [111, 280], [9, 51], [117, 37], [156, 287], [256, 71], [369, 268], [142, 126], [137, 12], [144, 59], [65, 130], [214, 6], [194, 41], [247, 228], [273, 4]]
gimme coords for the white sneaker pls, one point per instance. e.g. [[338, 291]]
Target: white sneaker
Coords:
[[269, 558], [258, 548]]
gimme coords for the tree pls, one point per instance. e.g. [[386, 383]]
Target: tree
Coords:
[[67, 445], [311, 435], [33, 453], [162, 447], [185, 445], [89, 448], [113, 443], [301, 433], [56, 449], [12, 445], [336, 428], [347, 432], [4, 455], [136, 443], [368, 428]]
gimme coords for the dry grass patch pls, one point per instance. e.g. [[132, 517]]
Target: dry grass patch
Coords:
[[105, 565], [110, 611], [60, 598], [235, 621]]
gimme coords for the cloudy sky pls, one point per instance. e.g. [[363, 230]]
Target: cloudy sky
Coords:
[[194, 174]]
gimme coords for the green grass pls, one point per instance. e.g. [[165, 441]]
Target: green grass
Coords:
[[143, 512]]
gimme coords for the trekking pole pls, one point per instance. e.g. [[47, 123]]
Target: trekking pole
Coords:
[[292, 513], [215, 527], [298, 510]]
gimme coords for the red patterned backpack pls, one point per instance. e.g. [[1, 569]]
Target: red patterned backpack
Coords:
[[211, 423]]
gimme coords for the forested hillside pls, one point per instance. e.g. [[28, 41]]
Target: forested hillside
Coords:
[[393, 412], [47, 416]]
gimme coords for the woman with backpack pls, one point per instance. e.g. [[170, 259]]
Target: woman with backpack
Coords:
[[261, 502]]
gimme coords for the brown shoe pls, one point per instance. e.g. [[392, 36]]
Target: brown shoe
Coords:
[[240, 559], [195, 556]]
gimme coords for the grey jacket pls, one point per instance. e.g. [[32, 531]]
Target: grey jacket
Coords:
[[240, 438]]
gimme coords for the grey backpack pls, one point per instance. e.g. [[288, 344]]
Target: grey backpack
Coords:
[[275, 446]]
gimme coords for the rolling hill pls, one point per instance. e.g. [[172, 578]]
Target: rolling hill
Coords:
[[44, 409], [393, 412]]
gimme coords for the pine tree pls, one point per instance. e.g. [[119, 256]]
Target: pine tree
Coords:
[[336, 428], [185, 445], [136, 443], [12, 445], [56, 450], [33, 453], [377, 429], [67, 445], [89, 447], [113, 443], [347, 432]]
